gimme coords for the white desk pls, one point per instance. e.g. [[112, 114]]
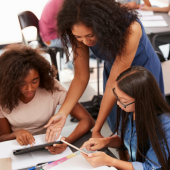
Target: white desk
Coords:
[[65, 132]]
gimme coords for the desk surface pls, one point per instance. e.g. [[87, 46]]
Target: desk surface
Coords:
[[158, 30], [80, 142]]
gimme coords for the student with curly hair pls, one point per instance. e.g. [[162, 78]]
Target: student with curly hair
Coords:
[[143, 127], [29, 95], [114, 34]]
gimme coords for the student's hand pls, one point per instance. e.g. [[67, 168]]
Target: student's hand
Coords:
[[24, 137], [95, 143], [98, 159], [54, 127], [57, 148]]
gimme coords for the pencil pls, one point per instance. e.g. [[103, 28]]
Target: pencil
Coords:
[[74, 147]]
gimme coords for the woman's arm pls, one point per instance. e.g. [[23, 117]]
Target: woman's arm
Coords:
[[121, 63], [80, 80], [100, 159], [86, 123], [94, 144], [22, 136], [5, 130], [119, 164], [76, 89], [156, 9]]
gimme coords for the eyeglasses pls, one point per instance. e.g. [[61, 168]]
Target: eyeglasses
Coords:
[[124, 105]]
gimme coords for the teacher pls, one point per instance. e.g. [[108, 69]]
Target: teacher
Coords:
[[114, 34]]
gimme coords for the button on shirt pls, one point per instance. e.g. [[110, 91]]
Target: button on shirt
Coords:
[[130, 142]]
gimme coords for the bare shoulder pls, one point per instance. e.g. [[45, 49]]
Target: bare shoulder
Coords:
[[136, 29]]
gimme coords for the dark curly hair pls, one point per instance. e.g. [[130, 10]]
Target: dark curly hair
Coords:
[[108, 19], [15, 63]]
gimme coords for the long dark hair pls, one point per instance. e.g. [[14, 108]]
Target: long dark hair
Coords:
[[138, 83], [15, 63], [108, 19]]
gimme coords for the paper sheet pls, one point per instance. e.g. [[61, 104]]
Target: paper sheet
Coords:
[[144, 13], [152, 18], [154, 24], [28, 159], [78, 163]]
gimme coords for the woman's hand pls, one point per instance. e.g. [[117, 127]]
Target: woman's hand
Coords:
[[95, 143], [54, 127], [57, 148], [98, 159], [24, 137]]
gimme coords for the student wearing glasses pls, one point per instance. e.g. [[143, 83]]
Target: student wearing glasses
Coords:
[[114, 34], [143, 126]]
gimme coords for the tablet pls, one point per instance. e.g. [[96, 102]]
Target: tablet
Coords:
[[34, 148]]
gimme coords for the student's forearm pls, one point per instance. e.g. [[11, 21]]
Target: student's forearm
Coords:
[[114, 141], [76, 89], [121, 165], [107, 104], [81, 129], [6, 137], [158, 9]]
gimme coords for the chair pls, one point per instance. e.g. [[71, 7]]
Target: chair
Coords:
[[26, 19], [160, 55]]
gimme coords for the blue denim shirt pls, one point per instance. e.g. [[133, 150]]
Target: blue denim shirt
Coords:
[[130, 142]]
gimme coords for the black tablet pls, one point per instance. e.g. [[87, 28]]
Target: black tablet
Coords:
[[34, 148]]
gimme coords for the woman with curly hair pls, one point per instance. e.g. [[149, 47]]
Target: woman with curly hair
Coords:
[[29, 95], [114, 34], [143, 126]]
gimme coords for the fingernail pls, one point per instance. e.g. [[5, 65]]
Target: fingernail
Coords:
[[54, 145], [46, 147], [89, 155]]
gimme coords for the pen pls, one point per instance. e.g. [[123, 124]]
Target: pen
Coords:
[[74, 147]]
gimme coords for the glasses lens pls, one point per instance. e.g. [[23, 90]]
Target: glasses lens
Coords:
[[117, 98]]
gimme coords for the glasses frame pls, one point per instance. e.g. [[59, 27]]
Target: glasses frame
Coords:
[[124, 105]]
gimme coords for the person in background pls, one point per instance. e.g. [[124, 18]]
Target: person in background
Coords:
[[157, 9], [143, 127], [161, 39], [29, 96], [134, 4], [47, 23]]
